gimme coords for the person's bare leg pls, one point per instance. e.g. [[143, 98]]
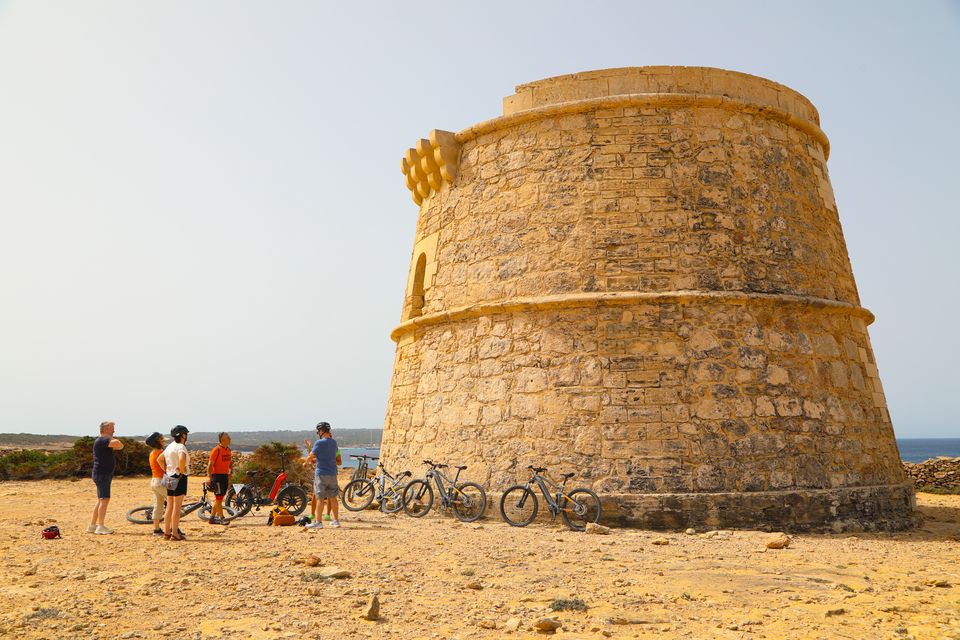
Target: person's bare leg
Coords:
[[333, 508], [168, 519], [96, 513], [175, 516], [102, 510]]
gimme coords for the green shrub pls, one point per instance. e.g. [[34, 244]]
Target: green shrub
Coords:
[[267, 458], [33, 464]]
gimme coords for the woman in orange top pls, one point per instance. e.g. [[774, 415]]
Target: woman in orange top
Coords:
[[155, 442], [219, 470]]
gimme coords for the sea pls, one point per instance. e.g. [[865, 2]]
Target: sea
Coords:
[[911, 450], [920, 449], [351, 463]]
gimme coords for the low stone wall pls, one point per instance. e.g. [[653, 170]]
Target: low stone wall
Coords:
[[936, 473]]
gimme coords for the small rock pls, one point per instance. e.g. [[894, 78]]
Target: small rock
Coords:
[[597, 529], [512, 625], [943, 584], [334, 572], [373, 609], [835, 612], [315, 591], [690, 532], [312, 561], [30, 571], [547, 625], [488, 624], [779, 541], [476, 586], [660, 541]]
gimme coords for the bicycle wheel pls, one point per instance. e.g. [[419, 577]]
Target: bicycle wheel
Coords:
[[417, 498], [580, 506], [518, 506], [357, 495], [469, 501], [240, 501], [141, 515], [206, 512], [294, 498], [392, 500]]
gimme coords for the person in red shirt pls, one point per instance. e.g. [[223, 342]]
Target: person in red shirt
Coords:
[[156, 444], [219, 469]]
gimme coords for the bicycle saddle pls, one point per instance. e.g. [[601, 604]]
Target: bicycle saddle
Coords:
[[252, 472], [567, 475], [440, 466], [462, 467]]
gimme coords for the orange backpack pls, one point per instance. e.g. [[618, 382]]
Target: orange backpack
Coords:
[[280, 517]]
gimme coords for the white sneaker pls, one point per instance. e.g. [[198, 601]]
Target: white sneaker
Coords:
[[314, 525], [335, 524], [102, 530], [91, 528]]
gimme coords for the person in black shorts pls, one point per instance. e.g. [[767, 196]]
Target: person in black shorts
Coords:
[[104, 463], [218, 470], [176, 459]]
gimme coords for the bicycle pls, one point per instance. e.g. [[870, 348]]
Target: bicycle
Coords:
[[242, 497], [578, 507], [144, 514], [363, 466], [361, 492], [467, 500]]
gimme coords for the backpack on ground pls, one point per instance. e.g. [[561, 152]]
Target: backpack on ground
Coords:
[[280, 517]]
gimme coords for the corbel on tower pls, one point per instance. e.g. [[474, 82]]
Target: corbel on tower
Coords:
[[431, 163]]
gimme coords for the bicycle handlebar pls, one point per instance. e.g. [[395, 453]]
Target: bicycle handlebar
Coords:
[[364, 456], [536, 469]]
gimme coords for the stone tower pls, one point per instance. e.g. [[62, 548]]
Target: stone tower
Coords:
[[639, 274]]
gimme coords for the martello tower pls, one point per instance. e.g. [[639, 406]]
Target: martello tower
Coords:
[[639, 274]]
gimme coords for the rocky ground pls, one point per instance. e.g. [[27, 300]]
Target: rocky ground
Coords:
[[436, 578]]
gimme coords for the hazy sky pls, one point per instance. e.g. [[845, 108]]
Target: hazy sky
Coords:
[[203, 219]]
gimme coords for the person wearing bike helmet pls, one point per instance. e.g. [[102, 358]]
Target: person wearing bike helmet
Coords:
[[325, 487], [177, 460], [156, 444]]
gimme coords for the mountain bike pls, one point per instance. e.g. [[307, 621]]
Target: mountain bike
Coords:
[[467, 500], [203, 506], [385, 488], [362, 466], [518, 505], [242, 497]]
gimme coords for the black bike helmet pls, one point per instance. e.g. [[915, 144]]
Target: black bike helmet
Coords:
[[323, 427], [153, 440], [178, 431]]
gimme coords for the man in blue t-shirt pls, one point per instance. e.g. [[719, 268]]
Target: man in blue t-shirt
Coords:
[[325, 487]]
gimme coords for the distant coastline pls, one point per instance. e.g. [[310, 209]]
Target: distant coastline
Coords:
[[911, 449]]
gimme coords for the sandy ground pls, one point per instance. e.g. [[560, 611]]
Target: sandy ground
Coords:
[[438, 578]]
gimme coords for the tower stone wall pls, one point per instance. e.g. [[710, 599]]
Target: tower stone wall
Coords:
[[640, 275]]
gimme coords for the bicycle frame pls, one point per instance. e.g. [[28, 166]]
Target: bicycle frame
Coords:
[[446, 498], [381, 482], [553, 505]]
